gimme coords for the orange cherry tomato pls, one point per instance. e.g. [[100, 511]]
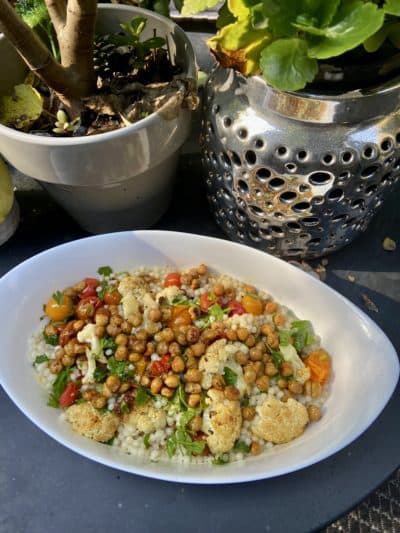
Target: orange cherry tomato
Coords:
[[319, 364], [112, 297], [69, 395], [172, 279], [207, 299], [252, 304], [59, 308], [180, 316]]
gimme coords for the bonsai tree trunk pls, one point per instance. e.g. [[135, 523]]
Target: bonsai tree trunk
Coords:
[[74, 22]]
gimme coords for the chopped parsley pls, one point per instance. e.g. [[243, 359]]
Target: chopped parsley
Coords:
[[299, 335], [277, 358], [58, 387], [109, 442], [42, 358], [99, 374], [58, 297], [215, 313], [120, 369], [105, 271], [51, 339], [146, 441], [108, 343], [220, 460], [142, 396], [182, 440], [124, 407], [179, 398], [241, 446], [230, 377], [103, 289]]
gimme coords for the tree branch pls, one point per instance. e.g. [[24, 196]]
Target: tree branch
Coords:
[[58, 14]]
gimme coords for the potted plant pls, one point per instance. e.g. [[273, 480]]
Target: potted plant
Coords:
[[9, 211], [119, 179], [301, 130]]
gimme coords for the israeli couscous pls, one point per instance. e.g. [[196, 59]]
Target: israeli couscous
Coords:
[[188, 366]]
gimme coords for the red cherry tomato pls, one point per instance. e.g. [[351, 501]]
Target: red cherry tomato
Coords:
[[161, 365], [236, 308], [94, 300], [207, 299], [90, 288], [172, 279], [70, 394]]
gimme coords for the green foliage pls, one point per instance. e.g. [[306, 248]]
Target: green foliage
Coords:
[[35, 14], [120, 369], [58, 387], [285, 39]]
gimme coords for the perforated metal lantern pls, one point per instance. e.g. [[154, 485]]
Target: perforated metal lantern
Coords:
[[296, 174]]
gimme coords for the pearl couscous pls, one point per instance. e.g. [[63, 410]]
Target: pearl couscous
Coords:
[[188, 366]]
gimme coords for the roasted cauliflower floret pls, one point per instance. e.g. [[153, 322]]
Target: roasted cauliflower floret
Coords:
[[279, 422], [222, 422], [88, 421], [134, 285], [146, 419]]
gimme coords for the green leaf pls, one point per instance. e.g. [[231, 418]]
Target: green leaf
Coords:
[[142, 396], [120, 369], [302, 334], [105, 271], [42, 358], [191, 7], [220, 460], [187, 416], [109, 442], [58, 387], [58, 296], [108, 343], [99, 374], [286, 66], [285, 336], [225, 17], [33, 12], [217, 312], [230, 377], [51, 339], [392, 7], [146, 441], [277, 358], [354, 22], [6, 191], [280, 16], [21, 109], [241, 446]]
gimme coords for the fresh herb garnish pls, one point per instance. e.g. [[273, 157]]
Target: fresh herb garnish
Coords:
[[230, 377], [179, 398], [109, 442], [182, 440], [42, 358], [99, 374], [120, 369], [241, 446], [302, 333], [58, 387], [58, 297], [220, 460], [124, 407], [277, 358], [104, 271], [146, 441], [103, 289], [142, 396], [51, 339], [217, 312], [285, 336], [108, 343]]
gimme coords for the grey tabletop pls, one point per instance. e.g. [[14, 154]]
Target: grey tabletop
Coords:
[[45, 487]]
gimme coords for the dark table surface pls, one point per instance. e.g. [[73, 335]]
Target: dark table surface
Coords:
[[45, 487]]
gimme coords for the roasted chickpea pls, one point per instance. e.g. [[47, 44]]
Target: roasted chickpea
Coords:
[[263, 383], [141, 335], [270, 369], [174, 349], [139, 346], [242, 334], [135, 319], [155, 314], [279, 320], [255, 448], [193, 375], [166, 392], [145, 381], [231, 393], [192, 334], [193, 400], [195, 284], [267, 329], [98, 401], [113, 383], [172, 381], [68, 360], [241, 357], [249, 375], [193, 388], [121, 353], [248, 412], [168, 335], [121, 339], [286, 369], [218, 289], [126, 327], [124, 387], [250, 341], [282, 383], [198, 349], [178, 364], [99, 331], [162, 348], [78, 325], [102, 317], [295, 387], [218, 382], [134, 357], [112, 330], [191, 362], [286, 395], [84, 310], [231, 335], [256, 354], [314, 412], [116, 320], [271, 308], [156, 385], [196, 423]]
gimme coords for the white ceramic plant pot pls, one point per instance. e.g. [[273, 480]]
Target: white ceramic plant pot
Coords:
[[9, 225], [113, 181]]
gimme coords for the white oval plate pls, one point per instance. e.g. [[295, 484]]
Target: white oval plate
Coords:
[[365, 364]]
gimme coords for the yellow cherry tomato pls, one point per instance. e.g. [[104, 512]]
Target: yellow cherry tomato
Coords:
[[252, 304], [59, 307]]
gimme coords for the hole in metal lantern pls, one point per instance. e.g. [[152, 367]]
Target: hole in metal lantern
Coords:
[[371, 189], [287, 196], [256, 210], [226, 162], [243, 187], [242, 133], [235, 159], [368, 172], [310, 221], [251, 157], [293, 227], [259, 143], [345, 175], [301, 155], [398, 137], [358, 204], [339, 218], [291, 167], [369, 152], [263, 173], [277, 231], [294, 251], [319, 178], [386, 145], [314, 242], [335, 195], [328, 159], [347, 157], [227, 122], [304, 187], [281, 151], [276, 183], [385, 179], [301, 206]]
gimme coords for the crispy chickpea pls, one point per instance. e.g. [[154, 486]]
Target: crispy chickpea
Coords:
[[295, 387], [193, 388], [249, 375], [178, 364], [141, 335], [113, 383], [259, 367], [193, 375], [140, 366], [105, 391], [150, 348], [162, 348], [273, 340], [261, 346], [307, 388], [135, 319], [193, 400], [78, 287], [124, 387], [267, 329], [78, 325], [195, 284], [191, 362], [134, 357], [250, 341], [209, 335], [286, 369], [314, 412], [249, 288], [138, 346], [192, 334], [114, 310], [116, 320], [255, 448], [241, 357], [112, 330], [145, 381], [218, 289], [242, 334], [218, 382], [263, 383], [316, 389], [99, 331], [279, 320], [156, 385], [69, 347], [202, 269], [168, 335], [195, 424], [248, 412], [286, 395], [121, 353], [79, 348], [270, 369], [231, 335], [282, 383], [256, 354], [186, 279], [101, 318], [84, 310], [88, 394], [172, 381], [121, 339], [194, 312], [198, 349], [68, 360], [99, 401], [271, 308], [166, 392], [50, 330], [126, 327], [174, 349], [231, 393], [181, 339], [155, 314]]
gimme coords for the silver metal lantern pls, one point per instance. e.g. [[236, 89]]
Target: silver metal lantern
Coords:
[[297, 174]]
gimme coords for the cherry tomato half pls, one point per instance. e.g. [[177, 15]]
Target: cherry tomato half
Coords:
[[90, 289], [59, 309], [70, 394], [172, 279], [161, 365], [207, 299], [236, 308]]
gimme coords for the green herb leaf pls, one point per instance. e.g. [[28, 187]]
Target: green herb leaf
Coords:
[[187, 416], [302, 334], [285, 336], [42, 358], [217, 312], [179, 398], [230, 377], [146, 441], [58, 296], [105, 271], [103, 289], [99, 374], [220, 461], [109, 442], [58, 387], [108, 343], [286, 65], [124, 407], [120, 369], [277, 358], [241, 446], [171, 446], [181, 439], [142, 396], [51, 339], [191, 7]]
